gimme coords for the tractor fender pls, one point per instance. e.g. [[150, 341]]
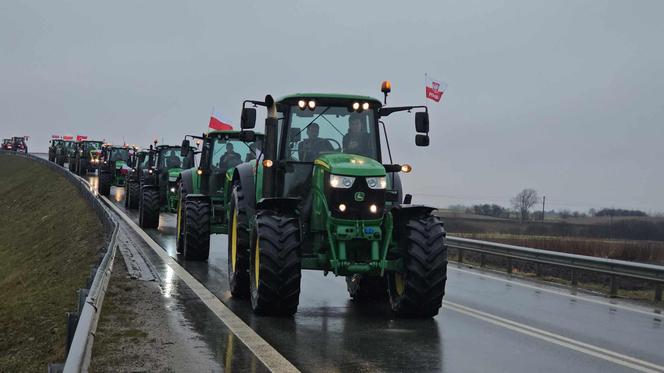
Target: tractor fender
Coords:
[[195, 196], [186, 179], [403, 213], [244, 175], [283, 205]]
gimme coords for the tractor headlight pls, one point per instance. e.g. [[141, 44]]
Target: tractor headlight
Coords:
[[344, 182], [172, 190], [377, 182]]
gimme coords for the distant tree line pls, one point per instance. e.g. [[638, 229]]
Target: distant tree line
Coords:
[[620, 212]]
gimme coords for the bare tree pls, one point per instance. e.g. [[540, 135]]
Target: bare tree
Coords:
[[524, 201]]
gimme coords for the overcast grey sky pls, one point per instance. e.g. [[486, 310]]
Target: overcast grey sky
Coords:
[[561, 96]]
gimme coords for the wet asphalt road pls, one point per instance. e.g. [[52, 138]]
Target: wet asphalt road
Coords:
[[332, 333]]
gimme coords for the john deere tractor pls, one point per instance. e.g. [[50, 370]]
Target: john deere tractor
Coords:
[[62, 151], [53, 147], [159, 189], [113, 168], [141, 163], [203, 191], [86, 157], [322, 197]]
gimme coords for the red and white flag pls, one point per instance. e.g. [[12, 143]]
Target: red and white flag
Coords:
[[67, 137], [219, 122], [435, 88], [55, 137], [81, 137]]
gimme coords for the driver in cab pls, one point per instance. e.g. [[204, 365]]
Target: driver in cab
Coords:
[[173, 161], [230, 158], [312, 146]]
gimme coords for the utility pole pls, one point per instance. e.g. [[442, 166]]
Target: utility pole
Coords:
[[543, 202]]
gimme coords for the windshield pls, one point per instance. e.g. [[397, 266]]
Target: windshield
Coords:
[[171, 158], [143, 160], [330, 129], [227, 153], [88, 146], [119, 154]]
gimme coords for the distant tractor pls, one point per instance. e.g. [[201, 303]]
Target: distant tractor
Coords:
[[159, 189], [62, 152], [113, 168], [19, 145], [203, 190], [329, 202], [53, 148], [86, 157], [7, 144], [141, 163]]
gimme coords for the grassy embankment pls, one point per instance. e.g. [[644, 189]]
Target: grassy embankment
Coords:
[[49, 238]]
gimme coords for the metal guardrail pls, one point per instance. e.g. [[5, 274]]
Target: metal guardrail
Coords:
[[611, 267], [78, 356]]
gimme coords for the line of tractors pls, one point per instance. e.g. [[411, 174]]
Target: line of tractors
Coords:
[[15, 144], [318, 190]]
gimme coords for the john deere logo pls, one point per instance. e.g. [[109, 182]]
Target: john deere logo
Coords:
[[359, 196]]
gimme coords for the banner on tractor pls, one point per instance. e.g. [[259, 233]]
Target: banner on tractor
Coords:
[[67, 137], [81, 137], [56, 137], [434, 88], [219, 123]]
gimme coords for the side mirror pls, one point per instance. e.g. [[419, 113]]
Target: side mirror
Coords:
[[184, 150], [422, 122], [422, 140], [294, 134], [248, 119], [247, 136]]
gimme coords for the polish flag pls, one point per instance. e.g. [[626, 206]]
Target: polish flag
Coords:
[[435, 89], [55, 137], [219, 123], [81, 137], [67, 137]]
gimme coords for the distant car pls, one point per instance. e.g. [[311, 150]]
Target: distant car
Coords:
[[7, 144], [19, 145]]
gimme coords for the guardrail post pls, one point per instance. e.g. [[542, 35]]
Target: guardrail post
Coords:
[[573, 277], [482, 260], [509, 265], [538, 269], [614, 286], [658, 293], [460, 255]]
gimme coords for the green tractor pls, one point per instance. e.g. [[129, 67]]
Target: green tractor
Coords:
[[113, 168], [86, 157], [141, 163], [203, 191], [159, 189], [62, 152], [53, 147], [330, 203]]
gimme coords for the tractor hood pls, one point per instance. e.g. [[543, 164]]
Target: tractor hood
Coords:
[[120, 164], [350, 165], [173, 173]]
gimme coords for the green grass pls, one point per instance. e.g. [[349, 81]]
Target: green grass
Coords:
[[49, 238]]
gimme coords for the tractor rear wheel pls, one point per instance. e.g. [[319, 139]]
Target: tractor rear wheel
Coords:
[[196, 229], [364, 288], [238, 247], [104, 185], [275, 269], [418, 291], [148, 210], [133, 191]]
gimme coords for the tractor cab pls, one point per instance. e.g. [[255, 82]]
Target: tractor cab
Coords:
[[19, 145], [114, 167], [169, 164], [7, 144], [53, 147]]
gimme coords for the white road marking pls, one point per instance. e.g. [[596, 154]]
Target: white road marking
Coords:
[[653, 313], [267, 354], [614, 357]]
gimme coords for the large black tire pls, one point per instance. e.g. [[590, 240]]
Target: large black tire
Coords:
[[70, 164], [148, 210], [132, 193], [366, 288], [238, 247], [419, 290], [104, 186], [196, 225], [275, 268]]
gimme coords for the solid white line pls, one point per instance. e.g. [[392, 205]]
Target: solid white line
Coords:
[[588, 349], [267, 354], [512, 281]]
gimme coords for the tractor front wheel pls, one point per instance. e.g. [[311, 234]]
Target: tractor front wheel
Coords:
[[104, 186], [133, 191], [275, 270], [196, 229], [238, 247], [148, 209], [418, 290]]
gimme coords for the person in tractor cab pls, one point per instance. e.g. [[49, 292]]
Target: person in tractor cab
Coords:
[[357, 140], [173, 161], [311, 147], [230, 158]]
